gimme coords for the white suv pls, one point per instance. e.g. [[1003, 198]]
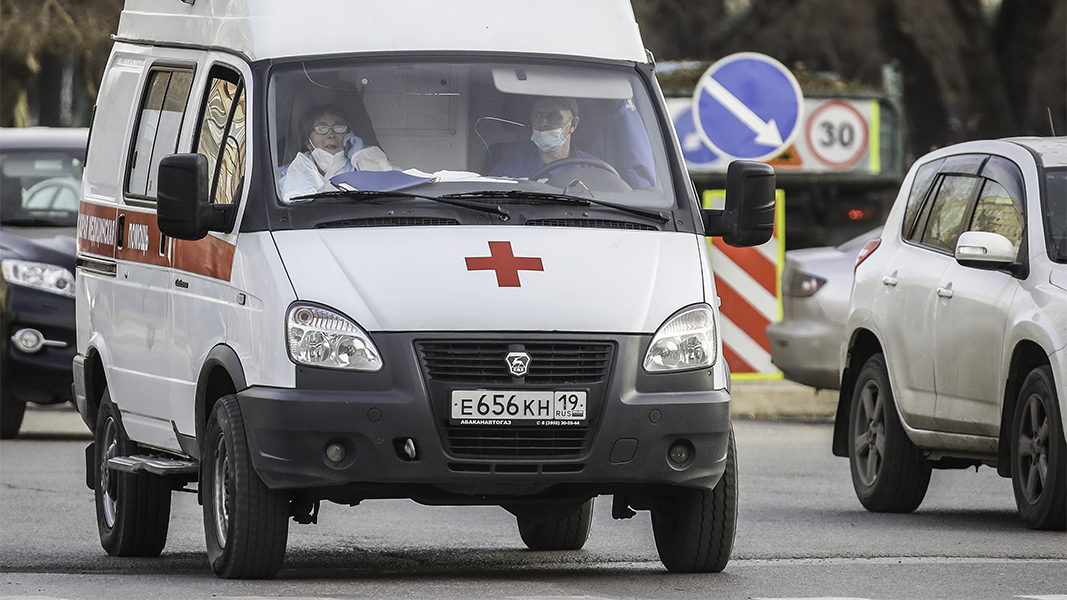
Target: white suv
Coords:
[[955, 352]]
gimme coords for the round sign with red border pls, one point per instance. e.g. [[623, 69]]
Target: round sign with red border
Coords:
[[837, 134]]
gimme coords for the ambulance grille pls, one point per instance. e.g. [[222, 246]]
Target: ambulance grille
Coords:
[[597, 223], [387, 222], [482, 362], [517, 442]]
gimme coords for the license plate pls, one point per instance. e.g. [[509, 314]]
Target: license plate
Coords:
[[495, 407]]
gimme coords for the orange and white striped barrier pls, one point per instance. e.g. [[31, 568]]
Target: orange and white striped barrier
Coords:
[[749, 283]]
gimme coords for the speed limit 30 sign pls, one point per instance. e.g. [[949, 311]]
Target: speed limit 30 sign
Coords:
[[837, 134]]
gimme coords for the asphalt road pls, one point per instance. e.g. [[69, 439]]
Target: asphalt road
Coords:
[[801, 534]]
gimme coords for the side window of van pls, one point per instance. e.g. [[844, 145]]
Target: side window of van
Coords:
[[222, 134], [159, 123]]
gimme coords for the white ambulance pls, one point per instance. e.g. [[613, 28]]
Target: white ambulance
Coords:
[[341, 250]]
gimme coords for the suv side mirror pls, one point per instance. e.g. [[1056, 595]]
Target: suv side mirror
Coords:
[[748, 219], [984, 249], [183, 209]]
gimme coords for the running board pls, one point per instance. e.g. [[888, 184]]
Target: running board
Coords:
[[154, 465]]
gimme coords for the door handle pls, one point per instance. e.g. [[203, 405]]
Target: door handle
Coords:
[[887, 280], [944, 292]]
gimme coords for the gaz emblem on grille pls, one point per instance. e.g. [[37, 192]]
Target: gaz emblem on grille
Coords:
[[518, 363]]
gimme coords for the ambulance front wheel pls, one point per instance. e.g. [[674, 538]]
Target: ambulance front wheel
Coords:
[[245, 522], [132, 510], [568, 533], [694, 528]]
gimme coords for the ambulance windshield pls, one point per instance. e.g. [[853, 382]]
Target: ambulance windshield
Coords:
[[499, 132]]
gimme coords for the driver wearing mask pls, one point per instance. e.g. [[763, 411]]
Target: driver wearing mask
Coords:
[[553, 121], [330, 149]]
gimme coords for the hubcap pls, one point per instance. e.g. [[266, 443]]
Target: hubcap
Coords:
[[1033, 448], [868, 445], [109, 484], [220, 490]]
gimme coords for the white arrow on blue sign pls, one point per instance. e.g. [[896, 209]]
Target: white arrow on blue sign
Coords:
[[747, 106]]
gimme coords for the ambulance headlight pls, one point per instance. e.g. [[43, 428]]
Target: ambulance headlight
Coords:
[[42, 276], [320, 337], [686, 341]]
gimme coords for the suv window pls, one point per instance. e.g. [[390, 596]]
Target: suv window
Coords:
[[920, 188], [999, 212], [222, 134], [948, 212], [159, 123]]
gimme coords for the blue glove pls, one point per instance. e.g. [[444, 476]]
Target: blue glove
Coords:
[[353, 143]]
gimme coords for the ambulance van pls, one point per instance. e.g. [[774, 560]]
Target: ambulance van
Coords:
[[341, 250]]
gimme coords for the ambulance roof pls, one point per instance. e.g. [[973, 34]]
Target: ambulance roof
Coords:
[[259, 29]]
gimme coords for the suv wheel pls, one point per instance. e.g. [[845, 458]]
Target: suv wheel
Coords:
[[1039, 454], [888, 473]]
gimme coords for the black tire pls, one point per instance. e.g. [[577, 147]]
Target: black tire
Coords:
[[568, 533], [694, 528], [1039, 454], [888, 472], [132, 510], [245, 522], [12, 410]]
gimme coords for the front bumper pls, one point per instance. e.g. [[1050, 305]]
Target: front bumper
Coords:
[[634, 418], [44, 376]]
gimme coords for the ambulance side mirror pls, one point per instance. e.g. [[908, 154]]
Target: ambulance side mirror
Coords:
[[748, 219], [183, 209]]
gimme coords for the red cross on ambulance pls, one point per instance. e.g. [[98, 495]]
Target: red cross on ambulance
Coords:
[[505, 263]]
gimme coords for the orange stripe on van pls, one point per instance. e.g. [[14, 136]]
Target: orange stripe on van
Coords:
[[210, 257]]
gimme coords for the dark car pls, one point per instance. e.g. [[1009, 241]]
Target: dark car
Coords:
[[40, 188]]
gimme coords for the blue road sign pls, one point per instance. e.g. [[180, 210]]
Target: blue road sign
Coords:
[[748, 106], [695, 151]]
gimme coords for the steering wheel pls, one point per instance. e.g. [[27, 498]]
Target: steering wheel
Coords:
[[571, 161]]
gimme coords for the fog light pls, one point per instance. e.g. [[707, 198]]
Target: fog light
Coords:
[[28, 340], [680, 452], [335, 452]]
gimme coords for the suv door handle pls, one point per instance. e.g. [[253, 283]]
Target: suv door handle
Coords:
[[887, 280], [944, 292]]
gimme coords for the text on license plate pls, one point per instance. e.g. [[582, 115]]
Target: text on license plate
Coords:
[[526, 405]]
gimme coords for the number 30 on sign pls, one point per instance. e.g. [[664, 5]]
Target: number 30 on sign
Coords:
[[837, 134]]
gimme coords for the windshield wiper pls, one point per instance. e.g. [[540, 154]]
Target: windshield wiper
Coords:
[[547, 197], [376, 194]]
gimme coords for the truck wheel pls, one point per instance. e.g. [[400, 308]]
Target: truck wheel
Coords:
[[245, 522], [569, 533], [888, 472], [132, 510], [12, 409], [1039, 454], [694, 528]]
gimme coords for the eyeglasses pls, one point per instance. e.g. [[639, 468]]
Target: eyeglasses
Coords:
[[324, 129]]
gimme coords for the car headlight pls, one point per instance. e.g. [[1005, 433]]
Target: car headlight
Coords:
[[320, 337], [686, 341], [41, 276]]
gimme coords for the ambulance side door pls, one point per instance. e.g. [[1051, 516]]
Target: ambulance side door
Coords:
[[206, 308], [139, 346]]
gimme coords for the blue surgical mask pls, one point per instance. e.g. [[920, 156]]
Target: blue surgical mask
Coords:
[[549, 140]]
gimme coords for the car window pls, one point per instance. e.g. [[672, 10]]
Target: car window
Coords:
[[1054, 209], [920, 188], [948, 212], [40, 188], [998, 212], [158, 126], [222, 134]]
